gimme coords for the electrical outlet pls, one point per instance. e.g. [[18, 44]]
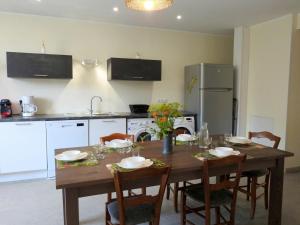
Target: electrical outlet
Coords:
[[162, 100]]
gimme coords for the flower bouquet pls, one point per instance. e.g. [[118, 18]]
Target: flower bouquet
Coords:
[[164, 115]]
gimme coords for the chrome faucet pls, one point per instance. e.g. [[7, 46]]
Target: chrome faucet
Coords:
[[92, 99]]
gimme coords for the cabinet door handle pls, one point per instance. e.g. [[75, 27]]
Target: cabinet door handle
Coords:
[[23, 124], [69, 125], [109, 121], [137, 77], [41, 75]]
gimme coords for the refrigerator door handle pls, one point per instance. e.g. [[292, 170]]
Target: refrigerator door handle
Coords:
[[217, 89]]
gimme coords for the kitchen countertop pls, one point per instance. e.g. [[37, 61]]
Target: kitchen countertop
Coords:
[[78, 116]]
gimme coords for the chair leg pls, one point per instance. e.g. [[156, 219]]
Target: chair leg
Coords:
[[253, 196], [176, 186], [144, 191], [168, 192], [207, 215], [248, 187], [267, 181], [218, 217], [109, 196], [107, 216], [182, 206]]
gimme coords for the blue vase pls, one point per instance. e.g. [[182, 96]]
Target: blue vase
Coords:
[[167, 144]]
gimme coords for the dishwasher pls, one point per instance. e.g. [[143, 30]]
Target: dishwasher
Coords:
[[64, 134]]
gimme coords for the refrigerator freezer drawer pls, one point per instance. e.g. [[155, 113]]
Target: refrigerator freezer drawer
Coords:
[[217, 110]]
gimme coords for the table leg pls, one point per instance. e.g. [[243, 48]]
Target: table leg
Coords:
[[276, 192], [70, 206]]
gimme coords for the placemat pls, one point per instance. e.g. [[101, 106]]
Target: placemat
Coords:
[[114, 167], [89, 161], [204, 155]]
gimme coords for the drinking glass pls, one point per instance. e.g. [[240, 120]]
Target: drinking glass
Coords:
[[194, 139], [208, 141], [135, 151], [100, 151], [227, 137]]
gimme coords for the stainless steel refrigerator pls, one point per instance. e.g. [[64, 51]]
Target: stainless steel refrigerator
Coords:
[[209, 94]]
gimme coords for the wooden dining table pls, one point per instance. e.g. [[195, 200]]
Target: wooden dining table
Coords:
[[83, 181]]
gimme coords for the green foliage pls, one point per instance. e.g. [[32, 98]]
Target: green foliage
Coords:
[[164, 115]]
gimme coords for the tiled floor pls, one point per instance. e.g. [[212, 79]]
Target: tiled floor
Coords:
[[39, 203]]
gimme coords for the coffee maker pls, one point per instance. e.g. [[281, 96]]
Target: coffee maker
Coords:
[[5, 108], [27, 105]]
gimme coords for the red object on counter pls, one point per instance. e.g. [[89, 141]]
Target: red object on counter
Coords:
[[5, 108]]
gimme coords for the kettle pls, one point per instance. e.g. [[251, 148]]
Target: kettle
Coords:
[[28, 106]]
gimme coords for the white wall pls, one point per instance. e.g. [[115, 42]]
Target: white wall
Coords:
[[298, 21], [269, 70], [241, 64], [84, 39], [293, 119]]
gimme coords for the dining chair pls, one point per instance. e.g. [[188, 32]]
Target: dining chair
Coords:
[[250, 189], [219, 195], [176, 185], [122, 137], [116, 136], [137, 209]]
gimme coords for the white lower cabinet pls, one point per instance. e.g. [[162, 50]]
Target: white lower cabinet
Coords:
[[23, 145], [104, 127], [22, 148]]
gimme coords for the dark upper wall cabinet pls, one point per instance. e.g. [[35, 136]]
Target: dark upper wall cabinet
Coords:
[[133, 69], [29, 65]]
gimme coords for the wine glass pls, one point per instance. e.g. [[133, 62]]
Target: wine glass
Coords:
[[208, 141], [193, 139], [227, 137], [100, 151]]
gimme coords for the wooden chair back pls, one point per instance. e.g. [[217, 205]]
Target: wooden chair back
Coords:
[[266, 134], [116, 136], [234, 161], [123, 179]]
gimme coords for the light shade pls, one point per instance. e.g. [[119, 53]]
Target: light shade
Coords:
[[148, 5]]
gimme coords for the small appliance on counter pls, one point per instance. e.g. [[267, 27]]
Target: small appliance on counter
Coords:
[[28, 107], [5, 106], [139, 108]]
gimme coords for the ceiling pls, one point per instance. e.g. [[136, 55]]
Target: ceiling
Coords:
[[207, 16]]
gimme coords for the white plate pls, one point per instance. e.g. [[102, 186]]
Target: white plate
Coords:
[[135, 162], [185, 137], [68, 158], [240, 140], [118, 143], [223, 153]]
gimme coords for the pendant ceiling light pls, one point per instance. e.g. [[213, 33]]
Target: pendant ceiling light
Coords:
[[148, 5]]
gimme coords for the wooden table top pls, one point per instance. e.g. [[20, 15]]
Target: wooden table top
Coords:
[[181, 161]]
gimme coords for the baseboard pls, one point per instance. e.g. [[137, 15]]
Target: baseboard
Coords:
[[293, 169], [32, 175]]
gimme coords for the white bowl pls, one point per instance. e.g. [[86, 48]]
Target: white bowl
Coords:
[[184, 137], [71, 153], [132, 162], [69, 157], [224, 151], [239, 140], [118, 143]]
